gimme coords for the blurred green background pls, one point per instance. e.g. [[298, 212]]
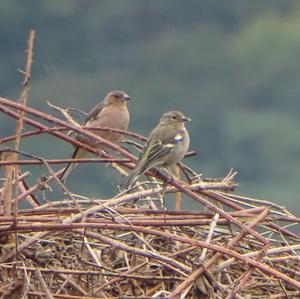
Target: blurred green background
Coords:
[[232, 66]]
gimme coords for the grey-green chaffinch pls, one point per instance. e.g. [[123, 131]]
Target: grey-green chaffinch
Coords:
[[112, 112], [167, 144]]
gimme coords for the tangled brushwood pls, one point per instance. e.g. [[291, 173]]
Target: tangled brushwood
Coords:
[[130, 246]]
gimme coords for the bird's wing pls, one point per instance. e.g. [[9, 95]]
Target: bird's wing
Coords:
[[94, 112], [160, 143]]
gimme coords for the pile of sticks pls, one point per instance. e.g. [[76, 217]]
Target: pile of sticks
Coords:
[[129, 246]]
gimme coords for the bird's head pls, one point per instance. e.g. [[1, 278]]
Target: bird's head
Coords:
[[117, 97], [174, 118]]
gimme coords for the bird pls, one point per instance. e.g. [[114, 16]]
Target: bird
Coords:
[[166, 145], [113, 113]]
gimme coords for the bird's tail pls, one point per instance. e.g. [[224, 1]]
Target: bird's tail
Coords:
[[129, 180], [78, 153], [67, 171]]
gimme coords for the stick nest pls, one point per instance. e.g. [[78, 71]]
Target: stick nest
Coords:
[[130, 246]]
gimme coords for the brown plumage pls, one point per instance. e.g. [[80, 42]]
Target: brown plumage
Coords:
[[113, 113]]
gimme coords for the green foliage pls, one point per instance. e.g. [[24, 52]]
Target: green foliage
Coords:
[[232, 66]]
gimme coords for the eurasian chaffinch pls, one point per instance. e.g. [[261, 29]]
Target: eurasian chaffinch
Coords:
[[167, 144], [112, 112]]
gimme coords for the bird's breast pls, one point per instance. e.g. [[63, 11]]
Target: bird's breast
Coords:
[[180, 148], [110, 117]]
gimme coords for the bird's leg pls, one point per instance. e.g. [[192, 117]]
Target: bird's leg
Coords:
[[178, 195], [165, 184], [168, 174]]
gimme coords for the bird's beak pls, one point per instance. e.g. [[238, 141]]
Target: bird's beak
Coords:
[[126, 97], [185, 119]]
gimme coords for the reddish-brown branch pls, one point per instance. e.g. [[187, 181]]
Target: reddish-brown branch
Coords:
[[213, 260], [67, 125], [64, 161], [57, 121], [154, 250], [245, 277], [98, 273], [62, 129], [214, 208], [26, 87], [221, 250]]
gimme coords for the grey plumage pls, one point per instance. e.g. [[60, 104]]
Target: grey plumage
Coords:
[[167, 144]]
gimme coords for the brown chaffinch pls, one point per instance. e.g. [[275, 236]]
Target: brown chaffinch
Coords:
[[112, 112], [167, 144]]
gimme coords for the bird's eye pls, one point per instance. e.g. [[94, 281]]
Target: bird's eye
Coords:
[[174, 117]]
